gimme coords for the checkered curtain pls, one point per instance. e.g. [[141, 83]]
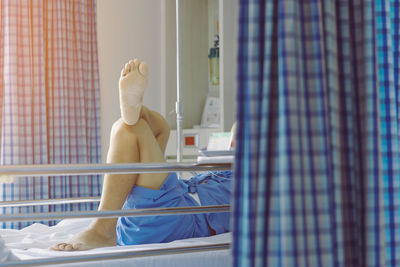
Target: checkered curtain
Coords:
[[318, 154], [49, 98]]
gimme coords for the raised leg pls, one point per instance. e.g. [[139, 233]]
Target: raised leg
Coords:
[[144, 141]]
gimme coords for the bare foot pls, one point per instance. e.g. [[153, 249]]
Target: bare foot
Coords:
[[132, 84], [89, 239]]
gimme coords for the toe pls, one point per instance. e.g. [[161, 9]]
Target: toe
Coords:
[[136, 61], [127, 68], [132, 65], [69, 247], [143, 69]]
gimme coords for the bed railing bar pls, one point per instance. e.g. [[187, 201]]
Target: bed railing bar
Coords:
[[120, 168], [114, 213], [118, 255], [41, 202]]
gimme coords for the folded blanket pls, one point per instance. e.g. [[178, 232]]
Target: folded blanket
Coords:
[[5, 252]]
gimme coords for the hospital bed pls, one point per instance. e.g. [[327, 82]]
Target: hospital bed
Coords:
[[29, 246]]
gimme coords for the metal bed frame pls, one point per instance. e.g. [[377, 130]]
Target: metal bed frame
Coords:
[[125, 168]]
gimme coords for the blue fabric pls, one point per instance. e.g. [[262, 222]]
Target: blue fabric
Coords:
[[317, 153], [212, 189]]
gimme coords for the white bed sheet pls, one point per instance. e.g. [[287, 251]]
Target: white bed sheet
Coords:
[[33, 242]]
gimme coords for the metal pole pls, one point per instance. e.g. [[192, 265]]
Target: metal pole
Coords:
[[116, 168], [178, 107], [43, 202], [114, 213]]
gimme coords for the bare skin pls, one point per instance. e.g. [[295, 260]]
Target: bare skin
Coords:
[[143, 139]]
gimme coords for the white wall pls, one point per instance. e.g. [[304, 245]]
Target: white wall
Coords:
[[127, 29]]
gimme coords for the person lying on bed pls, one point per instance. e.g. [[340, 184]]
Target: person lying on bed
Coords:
[[141, 135]]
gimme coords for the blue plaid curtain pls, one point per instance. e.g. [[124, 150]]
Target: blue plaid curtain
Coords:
[[318, 155]]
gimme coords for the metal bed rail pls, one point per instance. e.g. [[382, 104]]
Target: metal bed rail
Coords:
[[114, 213], [79, 169], [92, 169], [115, 168], [42, 202]]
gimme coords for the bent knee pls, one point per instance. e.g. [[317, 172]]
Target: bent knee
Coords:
[[120, 131], [123, 130], [141, 127]]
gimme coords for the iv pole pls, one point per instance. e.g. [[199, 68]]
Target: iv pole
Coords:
[[178, 106]]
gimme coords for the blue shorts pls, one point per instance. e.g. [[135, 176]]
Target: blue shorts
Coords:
[[213, 188]]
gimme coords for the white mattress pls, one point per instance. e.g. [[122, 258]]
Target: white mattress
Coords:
[[33, 242]]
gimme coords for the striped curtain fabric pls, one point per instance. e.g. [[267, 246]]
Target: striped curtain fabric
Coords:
[[49, 98], [317, 155]]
